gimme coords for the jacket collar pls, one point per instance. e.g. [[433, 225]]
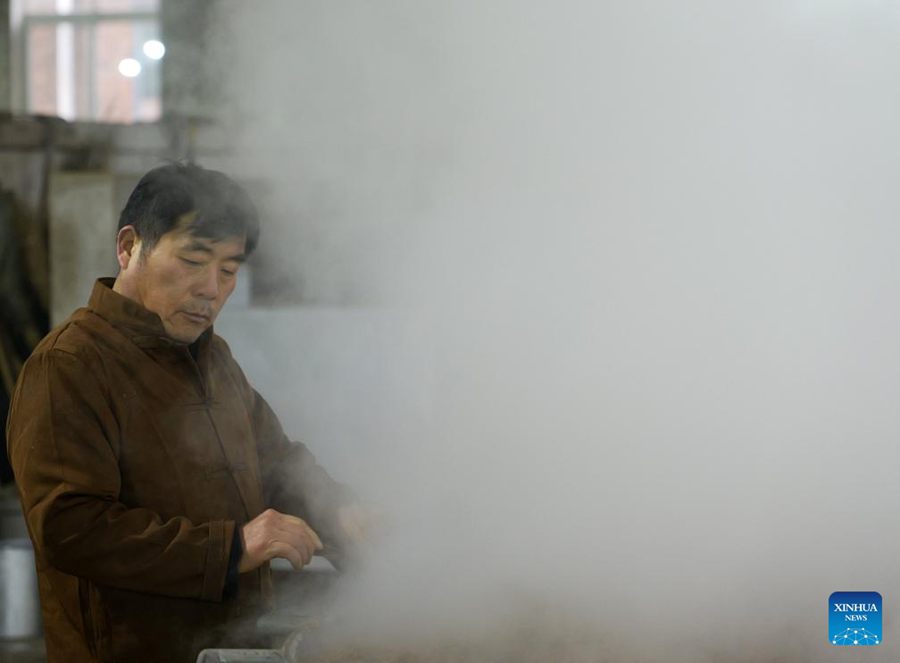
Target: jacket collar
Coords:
[[142, 326]]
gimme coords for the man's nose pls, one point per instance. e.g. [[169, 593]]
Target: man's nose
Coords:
[[208, 284]]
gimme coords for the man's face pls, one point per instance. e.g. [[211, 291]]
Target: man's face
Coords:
[[184, 279]]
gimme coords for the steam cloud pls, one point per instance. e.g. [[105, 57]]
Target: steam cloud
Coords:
[[648, 250]]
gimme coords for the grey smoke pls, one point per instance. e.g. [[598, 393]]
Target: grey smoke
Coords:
[[643, 258]]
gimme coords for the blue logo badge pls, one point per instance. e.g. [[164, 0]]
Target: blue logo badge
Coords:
[[854, 618]]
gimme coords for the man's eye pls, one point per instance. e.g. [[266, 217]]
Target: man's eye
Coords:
[[191, 262], [228, 272]]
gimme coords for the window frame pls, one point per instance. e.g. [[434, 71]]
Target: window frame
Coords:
[[20, 25]]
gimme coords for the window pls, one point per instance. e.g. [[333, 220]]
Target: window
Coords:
[[91, 60]]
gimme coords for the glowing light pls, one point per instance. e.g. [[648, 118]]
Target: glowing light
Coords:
[[129, 67], [154, 49]]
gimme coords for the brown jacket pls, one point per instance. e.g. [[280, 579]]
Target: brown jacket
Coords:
[[136, 458]]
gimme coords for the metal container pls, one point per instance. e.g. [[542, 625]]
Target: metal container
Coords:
[[295, 621], [20, 611]]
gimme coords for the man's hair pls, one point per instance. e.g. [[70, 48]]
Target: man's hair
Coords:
[[223, 209]]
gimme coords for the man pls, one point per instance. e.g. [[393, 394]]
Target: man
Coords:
[[155, 481]]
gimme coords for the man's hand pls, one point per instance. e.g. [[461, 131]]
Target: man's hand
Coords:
[[273, 534]]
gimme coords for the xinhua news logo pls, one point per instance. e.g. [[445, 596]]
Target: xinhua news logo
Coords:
[[854, 619]]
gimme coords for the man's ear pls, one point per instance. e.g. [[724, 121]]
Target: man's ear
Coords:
[[128, 246]]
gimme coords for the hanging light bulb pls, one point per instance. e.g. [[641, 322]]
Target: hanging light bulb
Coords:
[[129, 67], [154, 49]]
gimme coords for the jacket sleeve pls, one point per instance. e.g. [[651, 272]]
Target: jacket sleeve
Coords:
[[63, 442], [293, 482]]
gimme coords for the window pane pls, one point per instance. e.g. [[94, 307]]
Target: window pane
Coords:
[[42, 70], [75, 70], [39, 6], [120, 98]]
